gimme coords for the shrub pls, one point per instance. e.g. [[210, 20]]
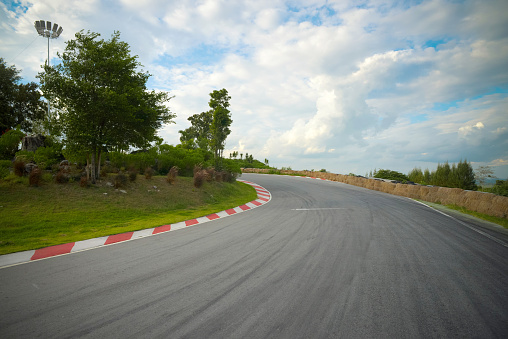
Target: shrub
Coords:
[[62, 177], [19, 168], [219, 176], [210, 174], [9, 143], [4, 168], [197, 168], [133, 174], [45, 157], [500, 188], [391, 175], [120, 180], [83, 182], [26, 156], [199, 178], [229, 176], [172, 174], [35, 177], [148, 173]]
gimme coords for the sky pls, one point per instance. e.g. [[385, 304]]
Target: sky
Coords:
[[346, 86]]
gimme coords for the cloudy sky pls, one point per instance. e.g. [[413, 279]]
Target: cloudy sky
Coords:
[[349, 86]]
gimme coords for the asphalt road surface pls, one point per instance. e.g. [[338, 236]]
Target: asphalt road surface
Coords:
[[321, 260]]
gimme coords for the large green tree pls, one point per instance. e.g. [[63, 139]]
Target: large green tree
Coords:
[[199, 133], [20, 104], [221, 120], [102, 97]]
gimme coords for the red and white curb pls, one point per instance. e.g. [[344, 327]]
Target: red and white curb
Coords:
[[264, 197]]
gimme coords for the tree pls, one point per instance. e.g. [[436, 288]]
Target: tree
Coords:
[[416, 175], [441, 176], [20, 104], [221, 120], [465, 177], [9, 143], [199, 134], [103, 98], [391, 175], [482, 173]]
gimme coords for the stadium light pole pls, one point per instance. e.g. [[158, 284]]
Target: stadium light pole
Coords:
[[45, 30]]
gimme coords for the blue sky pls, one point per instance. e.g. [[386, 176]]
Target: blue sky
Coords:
[[349, 86]]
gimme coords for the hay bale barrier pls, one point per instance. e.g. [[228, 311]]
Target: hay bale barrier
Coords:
[[481, 202]]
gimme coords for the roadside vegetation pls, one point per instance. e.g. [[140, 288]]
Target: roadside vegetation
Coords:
[[53, 213], [92, 163]]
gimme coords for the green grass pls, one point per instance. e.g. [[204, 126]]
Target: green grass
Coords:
[[500, 221], [36, 217]]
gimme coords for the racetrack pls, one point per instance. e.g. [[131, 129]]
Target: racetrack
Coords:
[[321, 260]]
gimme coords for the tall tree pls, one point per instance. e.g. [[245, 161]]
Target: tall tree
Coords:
[[103, 97], [465, 176], [20, 104], [482, 173], [221, 120], [199, 134]]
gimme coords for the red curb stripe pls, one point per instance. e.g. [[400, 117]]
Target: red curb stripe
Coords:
[[257, 203], [265, 195], [191, 222], [160, 229], [258, 187], [213, 216], [118, 238], [263, 199], [230, 211], [52, 251], [245, 207]]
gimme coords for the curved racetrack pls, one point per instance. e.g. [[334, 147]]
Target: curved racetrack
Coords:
[[321, 260]]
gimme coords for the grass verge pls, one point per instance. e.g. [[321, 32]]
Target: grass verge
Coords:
[[500, 221], [52, 214]]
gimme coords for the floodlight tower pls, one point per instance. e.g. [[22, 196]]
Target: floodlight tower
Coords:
[[45, 30]]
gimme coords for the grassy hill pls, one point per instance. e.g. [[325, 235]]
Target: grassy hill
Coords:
[[51, 214]]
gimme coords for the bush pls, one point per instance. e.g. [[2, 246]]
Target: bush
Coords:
[[45, 157], [172, 174], [199, 178], [4, 168], [35, 177], [62, 177], [230, 177], [500, 188], [26, 156], [9, 143], [148, 173], [210, 174], [391, 175], [19, 168], [133, 175], [83, 182], [120, 180], [219, 176], [197, 168]]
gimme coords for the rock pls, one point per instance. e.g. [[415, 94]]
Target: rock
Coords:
[[32, 142], [65, 166], [29, 167], [123, 191]]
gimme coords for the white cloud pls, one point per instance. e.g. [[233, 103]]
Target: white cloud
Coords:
[[323, 85]]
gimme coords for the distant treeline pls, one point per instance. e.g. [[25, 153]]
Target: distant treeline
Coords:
[[459, 175]]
